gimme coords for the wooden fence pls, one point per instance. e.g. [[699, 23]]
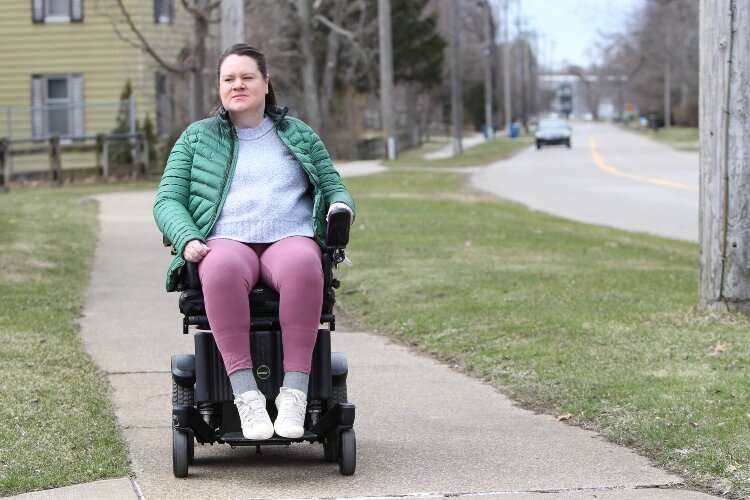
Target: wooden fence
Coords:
[[55, 150]]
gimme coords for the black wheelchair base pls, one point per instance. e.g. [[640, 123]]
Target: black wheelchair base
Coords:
[[203, 410]]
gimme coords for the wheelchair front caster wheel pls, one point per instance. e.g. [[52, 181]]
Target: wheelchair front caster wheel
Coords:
[[347, 452], [181, 453]]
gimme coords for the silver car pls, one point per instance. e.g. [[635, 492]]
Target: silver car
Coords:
[[551, 132]]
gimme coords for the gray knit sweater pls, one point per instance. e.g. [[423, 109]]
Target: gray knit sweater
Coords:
[[268, 198]]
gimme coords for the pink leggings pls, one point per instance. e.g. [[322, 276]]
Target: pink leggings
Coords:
[[291, 266]]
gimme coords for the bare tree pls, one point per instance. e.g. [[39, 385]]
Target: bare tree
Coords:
[[193, 60], [658, 53], [318, 45]]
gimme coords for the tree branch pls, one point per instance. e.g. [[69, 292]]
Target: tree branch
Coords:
[[144, 43], [122, 37], [334, 27], [202, 11]]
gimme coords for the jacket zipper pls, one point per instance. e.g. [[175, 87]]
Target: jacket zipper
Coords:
[[227, 172]]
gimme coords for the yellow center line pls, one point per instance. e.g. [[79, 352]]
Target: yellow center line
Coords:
[[599, 161]]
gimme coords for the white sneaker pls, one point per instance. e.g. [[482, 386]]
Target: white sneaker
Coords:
[[290, 423], [256, 424]]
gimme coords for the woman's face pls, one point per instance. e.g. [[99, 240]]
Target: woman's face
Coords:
[[242, 87]]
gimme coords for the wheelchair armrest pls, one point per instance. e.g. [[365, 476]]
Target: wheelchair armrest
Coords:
[[190, 277], [337, 231]]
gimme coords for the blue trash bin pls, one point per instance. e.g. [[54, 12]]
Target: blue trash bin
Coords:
[[515, 129]]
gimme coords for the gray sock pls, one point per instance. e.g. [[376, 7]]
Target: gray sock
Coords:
[[243, 381], [296, 380]]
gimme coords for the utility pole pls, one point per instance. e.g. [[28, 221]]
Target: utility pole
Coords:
[[386, 77], [724, 227], [489, 37], [506, 68], [199, 61], [232, 23], [456, 87], [668, 80]]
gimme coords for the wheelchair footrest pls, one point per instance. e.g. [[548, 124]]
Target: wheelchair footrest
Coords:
[[187, 418], [340, 416], [237, 439]]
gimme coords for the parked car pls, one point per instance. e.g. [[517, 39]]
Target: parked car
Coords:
[[552, 131]]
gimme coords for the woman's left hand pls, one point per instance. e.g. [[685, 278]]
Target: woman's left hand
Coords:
[[338, 204]]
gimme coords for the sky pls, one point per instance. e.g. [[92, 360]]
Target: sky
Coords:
[[567, 28]]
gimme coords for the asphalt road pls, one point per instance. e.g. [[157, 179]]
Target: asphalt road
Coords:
[[609, 177]]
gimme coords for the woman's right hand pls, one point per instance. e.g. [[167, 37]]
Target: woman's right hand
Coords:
[[195, 250]]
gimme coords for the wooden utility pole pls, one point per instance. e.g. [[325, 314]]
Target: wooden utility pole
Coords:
[[489, 37], [386, 77], [725, 155], [232, 23], [668, 80], [456, 87]]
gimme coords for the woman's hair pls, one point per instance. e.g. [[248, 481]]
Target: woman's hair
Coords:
[[243, 49]]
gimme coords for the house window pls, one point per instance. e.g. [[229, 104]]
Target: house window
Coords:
[[56, 11], [163, 11], [164, 104], [57, 106]]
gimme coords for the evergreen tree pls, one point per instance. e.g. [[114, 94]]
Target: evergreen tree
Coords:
[[418, 49], [119, 150]]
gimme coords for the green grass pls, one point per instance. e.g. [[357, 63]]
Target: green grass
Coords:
[[481, 154], [564, 317], [57, 425], [682, 138]]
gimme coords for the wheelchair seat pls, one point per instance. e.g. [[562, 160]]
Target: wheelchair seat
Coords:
[[263, 300]]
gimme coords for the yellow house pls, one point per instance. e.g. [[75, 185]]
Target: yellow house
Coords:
[[65, 63]]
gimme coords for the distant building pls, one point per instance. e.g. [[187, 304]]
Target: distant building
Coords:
[[61, 61], [569, 95]]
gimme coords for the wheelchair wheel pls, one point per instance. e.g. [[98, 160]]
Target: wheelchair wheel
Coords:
[[331, 448], [338, 394], [184, 396], [347, 452], [191, 448], [180, 453]]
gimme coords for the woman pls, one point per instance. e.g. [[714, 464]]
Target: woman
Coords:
[[246, 194]]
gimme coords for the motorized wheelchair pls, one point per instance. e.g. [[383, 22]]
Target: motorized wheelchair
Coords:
[[203, 407]]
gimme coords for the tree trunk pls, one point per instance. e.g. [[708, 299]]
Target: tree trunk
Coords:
[[309, 77], [456, 80], [329, 73], [725, 155], [386, 78], [232, 23], [199, 64], [412, 124]]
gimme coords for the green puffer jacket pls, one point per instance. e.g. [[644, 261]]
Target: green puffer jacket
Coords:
[[199, 171]]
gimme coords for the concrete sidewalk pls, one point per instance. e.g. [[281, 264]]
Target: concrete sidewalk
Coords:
[[424, 430]]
